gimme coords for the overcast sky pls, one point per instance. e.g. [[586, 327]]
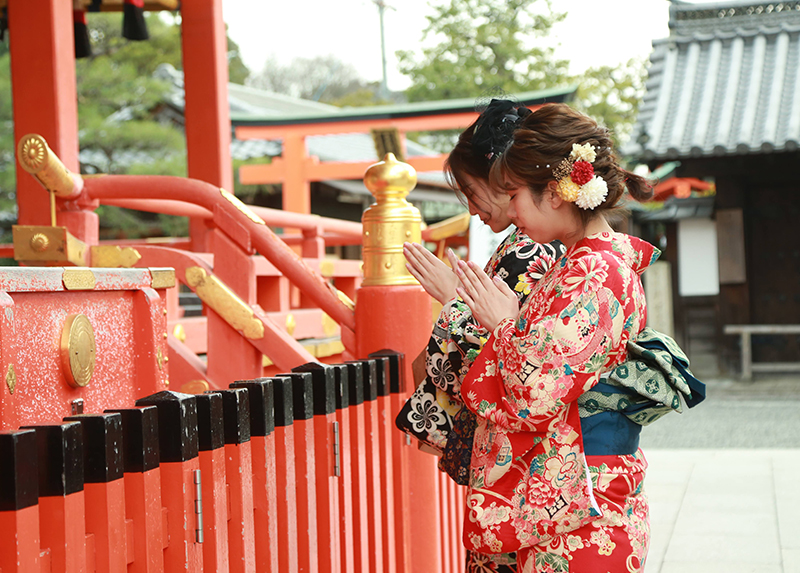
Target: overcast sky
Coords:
[[594, 33]]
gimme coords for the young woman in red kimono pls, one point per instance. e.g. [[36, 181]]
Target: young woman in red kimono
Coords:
[[434, 413], [533, 487]]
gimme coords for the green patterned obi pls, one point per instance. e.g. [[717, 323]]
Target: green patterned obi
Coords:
[[654, 381]]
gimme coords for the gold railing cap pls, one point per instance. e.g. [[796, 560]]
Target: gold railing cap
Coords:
[[390, 175]]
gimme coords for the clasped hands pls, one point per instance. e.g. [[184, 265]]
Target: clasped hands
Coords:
[[491, 300]]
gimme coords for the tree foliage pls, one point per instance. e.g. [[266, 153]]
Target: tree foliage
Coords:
[[484, 45], [612, 95], [8, 202], [120, 127], [325, 79], [477, 48]]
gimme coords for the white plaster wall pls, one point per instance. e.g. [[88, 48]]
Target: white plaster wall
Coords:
[[657, 281], [698, 266]]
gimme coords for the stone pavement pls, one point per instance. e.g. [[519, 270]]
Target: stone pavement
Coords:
[[724, 481]]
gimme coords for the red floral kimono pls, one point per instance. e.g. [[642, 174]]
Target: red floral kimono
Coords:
[[532, 489]]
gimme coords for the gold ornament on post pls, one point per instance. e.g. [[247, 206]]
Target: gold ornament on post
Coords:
[[389, 223], [77, 350]]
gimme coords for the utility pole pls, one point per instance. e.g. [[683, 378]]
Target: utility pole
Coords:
[[381, 4]]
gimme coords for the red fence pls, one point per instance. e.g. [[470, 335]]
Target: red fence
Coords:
[[289, 473]]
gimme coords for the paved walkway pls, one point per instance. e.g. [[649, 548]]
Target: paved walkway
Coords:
[[724, 510], [724, 481]]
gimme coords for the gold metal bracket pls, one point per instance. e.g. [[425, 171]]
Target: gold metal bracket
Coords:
[[225, 302], [114, 256], [78, 279], [35, 243], [11, 379], [162, 277]]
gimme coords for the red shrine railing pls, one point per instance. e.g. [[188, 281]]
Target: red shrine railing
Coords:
[[301, 470]]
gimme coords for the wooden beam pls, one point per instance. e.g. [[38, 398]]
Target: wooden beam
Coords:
[[313, 170], [403, 124]]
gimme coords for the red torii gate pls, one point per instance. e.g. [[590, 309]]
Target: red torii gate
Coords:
[[295, 169]]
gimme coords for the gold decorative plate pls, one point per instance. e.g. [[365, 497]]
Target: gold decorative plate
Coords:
[[77, 350]]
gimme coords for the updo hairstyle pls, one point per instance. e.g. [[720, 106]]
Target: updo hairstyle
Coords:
[[482, 143], [545, 138]]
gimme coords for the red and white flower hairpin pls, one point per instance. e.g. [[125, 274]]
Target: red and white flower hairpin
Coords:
[[576, 179]]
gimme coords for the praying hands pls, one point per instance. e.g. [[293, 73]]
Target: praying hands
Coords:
[[491, 300]]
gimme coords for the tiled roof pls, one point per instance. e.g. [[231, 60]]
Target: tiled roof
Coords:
[[725, 82]]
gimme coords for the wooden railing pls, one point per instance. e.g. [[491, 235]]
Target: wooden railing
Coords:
[[292, 473], [293, 517]]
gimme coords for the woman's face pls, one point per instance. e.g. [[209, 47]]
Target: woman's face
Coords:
[[489, 206], [539, 220]]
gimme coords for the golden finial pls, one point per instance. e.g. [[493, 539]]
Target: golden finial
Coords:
[[389, 222]]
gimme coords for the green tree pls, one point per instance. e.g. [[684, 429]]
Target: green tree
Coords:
[[8, 202], [483, 46], [121, 127], [326, 79], [612, 95], [500, 46], [118, 103]]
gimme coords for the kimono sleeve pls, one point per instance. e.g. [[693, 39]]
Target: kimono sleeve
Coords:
[[530, 370]]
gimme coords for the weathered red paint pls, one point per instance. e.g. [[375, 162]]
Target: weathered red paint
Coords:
[[127, 317], [105, 520], [19, 543], [241, 527], [177, 493], [327, 494], [374, 487], [43, 92], [207, 115], [307, 539], [215, 510], [287, 499], [386, 429], [400, 306], [63, 531], [345, 525], [265, 502], [361, 523], [143, 507]]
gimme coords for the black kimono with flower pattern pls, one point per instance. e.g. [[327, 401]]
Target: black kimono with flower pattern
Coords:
[[434, 414]]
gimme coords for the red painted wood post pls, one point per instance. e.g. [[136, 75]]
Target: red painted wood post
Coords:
[[345, 476], [326, 462], [146, 537], [265, 494], [19, 497], [104, 489], [61, 497], [402, 306], [358, 450], [305, 467], [44, 102], [211, 442], [207, 114], [374, 486], [239, 471], [386, 431], [286, 480], [179, 463], [395, 364], [389, 295]]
